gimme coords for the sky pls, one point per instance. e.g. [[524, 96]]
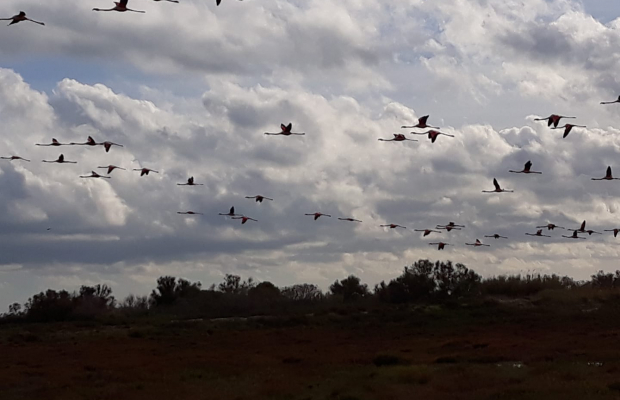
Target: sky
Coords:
[[189, 89]]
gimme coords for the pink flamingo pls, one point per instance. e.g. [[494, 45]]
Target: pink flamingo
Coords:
[[526, 169], [318, 215], [121, 6], [553, 119], [93, 174], [573, 236], [497, 188], [145, 171], [89, 142], [190, 182], [432, 134], [244, 219], [440, 245], [393, 226], [451, 225], [611, 102], [551, 227], [61, 160], [615, 231], [230, 213], [608, 176], [426, 231], [590, 232], [54, 143], [421, 124], [582, 228], [189, 213], [349, 219], [258, 198], [19, 18], [108, 145], [496, 236], [286, 131], [538, 233], [111, 168], [14, 158], [477, 244], [398, 137], [567, 128]]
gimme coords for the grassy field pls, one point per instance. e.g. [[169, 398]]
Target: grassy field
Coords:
[[517, 351]]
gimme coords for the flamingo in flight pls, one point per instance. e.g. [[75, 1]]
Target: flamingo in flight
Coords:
[[189, 213], [398, 137], [440, 245], [497, 188], [496, 236], [451, 225], [582, 228], [432, 134], [217, 2], [421, 124], [573, 236], [111, 168], [286, 131], [231, 212], [551, 227], [393, 226], [93, 174], [169, 1], [19, 18], [318, 215], [608, 176], [538, 233], [349, 219], [121, 6], [54, 143], [553, 119], [611, 102], [14, 158], [61, 160], [145, 171], [615, 231], [426, 231], [567, 128], [590, 232], [526, 169], [245, 219], [477, 244], [258, 198], [89, 142], [108, 145], [190, 182]]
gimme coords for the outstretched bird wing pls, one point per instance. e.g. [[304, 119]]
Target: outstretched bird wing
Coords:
[[496, 184]]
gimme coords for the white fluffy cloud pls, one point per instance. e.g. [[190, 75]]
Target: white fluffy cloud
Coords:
[[346, 73]]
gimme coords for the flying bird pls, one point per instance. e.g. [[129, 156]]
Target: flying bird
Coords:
[[145, 171], [111, 168], [286, 131], [496, 236], [190, 182], [451, 225], [615, 231], [189, 213], [582, 228], [398, 137], [108, 145], [93, 174], [317, 215], [551, 227], [19, 18], [349, 219], [538, 233], [567, 128], [393, 226], [477, 244], [421, 124], [590, 232], [231, 212], [89, 142], [432, 134], [526, 169], [573, 236], [553, 119], [608, 176], [121, 6], [611, 102], [54, 143], [217, 2], [258, 198], [61, 160], [440, 245], [169, 1], [14, 158], [245, 219], [426, 231], [497, 188]]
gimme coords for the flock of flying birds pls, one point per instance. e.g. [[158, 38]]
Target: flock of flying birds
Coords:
[[286, 130]]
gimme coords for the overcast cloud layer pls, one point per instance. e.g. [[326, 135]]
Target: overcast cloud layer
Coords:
[[189, 89]]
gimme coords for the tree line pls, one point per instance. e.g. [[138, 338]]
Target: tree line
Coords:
[[422, 282]]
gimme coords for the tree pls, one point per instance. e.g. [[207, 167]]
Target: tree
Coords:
[[15, 309], [264, 291], [233, 285], [169, 290], [304, 292], [49, 306], [349, 288]]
